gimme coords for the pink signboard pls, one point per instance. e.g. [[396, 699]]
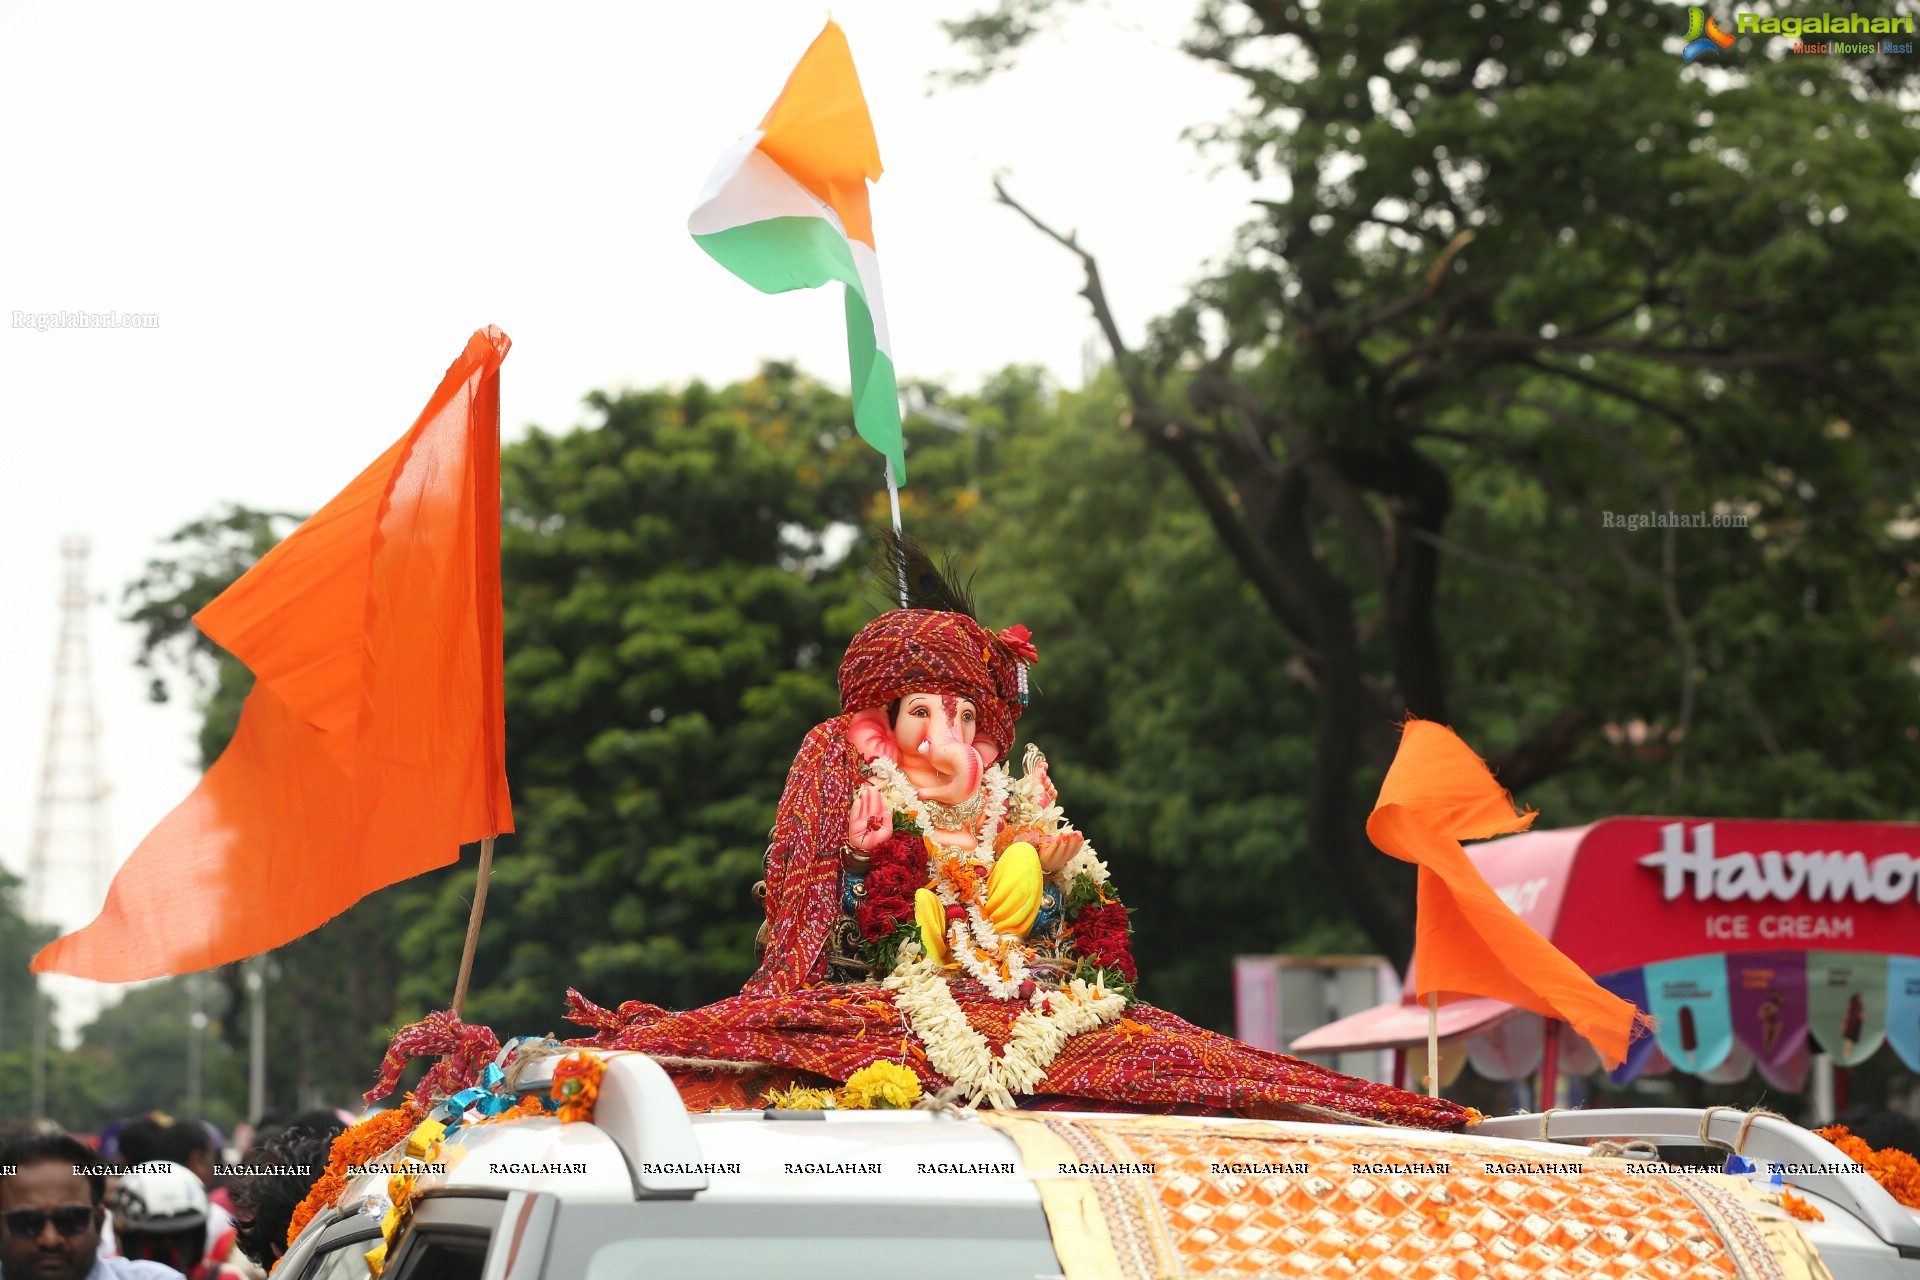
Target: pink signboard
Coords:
[[1643, 890]]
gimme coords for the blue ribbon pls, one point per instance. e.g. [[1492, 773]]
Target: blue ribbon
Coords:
[[1760, 1172], [454, 1109]]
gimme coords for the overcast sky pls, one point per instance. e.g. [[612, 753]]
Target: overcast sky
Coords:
[[320, 205]]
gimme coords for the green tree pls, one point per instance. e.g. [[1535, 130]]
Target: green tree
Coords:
[[21, 1002], [1523, 270], [141, 1053], [211, 554], [1177, 745]]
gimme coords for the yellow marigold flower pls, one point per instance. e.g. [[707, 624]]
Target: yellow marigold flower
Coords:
[[799, 1098], [884, 1085]]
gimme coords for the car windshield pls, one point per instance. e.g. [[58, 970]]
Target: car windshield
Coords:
[[751, 1242]]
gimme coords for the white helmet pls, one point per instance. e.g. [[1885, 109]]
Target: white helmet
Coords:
[[159, 1196]]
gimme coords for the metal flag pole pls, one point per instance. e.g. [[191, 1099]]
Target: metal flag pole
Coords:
[[257, 1038], [900, 562], [1433, 1044]]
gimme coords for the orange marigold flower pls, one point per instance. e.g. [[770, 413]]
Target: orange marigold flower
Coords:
[[1891, 1167], [1800, 1209], [361, 1144], [576, 1084]]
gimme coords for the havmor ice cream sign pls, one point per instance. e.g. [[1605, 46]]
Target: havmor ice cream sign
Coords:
[[1625, 892], [1835, 878]]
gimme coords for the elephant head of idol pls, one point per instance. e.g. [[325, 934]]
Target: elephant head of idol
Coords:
[[936, 693], [934, 738]]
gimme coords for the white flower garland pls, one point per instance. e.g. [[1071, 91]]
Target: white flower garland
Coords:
[[903, 797], [980, 949], [962, 1055], [1085, 862]]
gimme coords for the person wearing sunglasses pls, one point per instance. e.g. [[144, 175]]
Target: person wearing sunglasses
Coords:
[[51, 1190]]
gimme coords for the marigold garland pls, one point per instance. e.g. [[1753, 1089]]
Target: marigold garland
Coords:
[[362, 1144], [576, 1084], [1891, 1167], [422, 1149]]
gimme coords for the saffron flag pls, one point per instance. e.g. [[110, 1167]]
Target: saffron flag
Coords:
[[786, 208], [371, 747], [1467, 942]]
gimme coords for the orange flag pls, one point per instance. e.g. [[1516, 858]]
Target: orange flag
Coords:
[[371, 747], [1467, 942]]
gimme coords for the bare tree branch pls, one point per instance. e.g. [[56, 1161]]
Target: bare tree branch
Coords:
[[1176, 439], [1549, 750], [1308, 599]]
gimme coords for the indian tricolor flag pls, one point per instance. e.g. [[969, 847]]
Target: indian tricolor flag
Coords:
[[786, 208]]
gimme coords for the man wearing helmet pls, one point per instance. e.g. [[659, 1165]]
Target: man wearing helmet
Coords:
[[51, 1191], [160, 1215]]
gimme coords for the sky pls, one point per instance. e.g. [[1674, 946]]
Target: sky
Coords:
[[319, 205]]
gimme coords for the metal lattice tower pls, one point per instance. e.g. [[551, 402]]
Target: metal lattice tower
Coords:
[[67, 861]]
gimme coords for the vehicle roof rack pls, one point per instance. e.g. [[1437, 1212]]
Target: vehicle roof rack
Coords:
[[1766, 1139], [641, 1110]]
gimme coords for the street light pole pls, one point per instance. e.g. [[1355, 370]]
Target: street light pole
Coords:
[[257, 1040], [196, 1026]]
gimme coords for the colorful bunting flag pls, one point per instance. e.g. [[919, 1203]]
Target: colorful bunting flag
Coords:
[[1847, 1003], [1767, 991], [1688, 999], [1903, 1008]]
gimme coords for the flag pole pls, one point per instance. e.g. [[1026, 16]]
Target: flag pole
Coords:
[[1433, 1044], [473, 926], [900, 562]]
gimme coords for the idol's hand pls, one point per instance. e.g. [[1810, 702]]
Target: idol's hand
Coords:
[[1057, 851], [1043, 782], [869, 821]]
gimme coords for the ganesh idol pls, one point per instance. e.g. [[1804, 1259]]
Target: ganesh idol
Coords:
[[930, 906]]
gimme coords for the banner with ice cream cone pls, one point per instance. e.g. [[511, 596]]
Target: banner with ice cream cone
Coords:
[[1768, 993], [1903, 1008]]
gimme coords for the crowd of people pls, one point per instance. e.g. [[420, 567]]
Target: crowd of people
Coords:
[[154, 1201]]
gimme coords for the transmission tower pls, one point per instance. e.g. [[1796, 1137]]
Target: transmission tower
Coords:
[[67, 861]]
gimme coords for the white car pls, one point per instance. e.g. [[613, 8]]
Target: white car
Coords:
[[648, 1190]]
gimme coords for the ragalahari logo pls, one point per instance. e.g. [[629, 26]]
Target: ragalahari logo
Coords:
[[1704, 35]]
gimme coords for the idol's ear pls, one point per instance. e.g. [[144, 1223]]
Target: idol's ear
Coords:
[[871, 735], [987, 751]]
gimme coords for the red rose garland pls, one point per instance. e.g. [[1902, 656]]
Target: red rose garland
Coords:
[[1100, 935], [899, 867]]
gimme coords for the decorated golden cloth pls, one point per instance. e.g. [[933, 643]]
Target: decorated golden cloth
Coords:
[[1164, 1198]]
